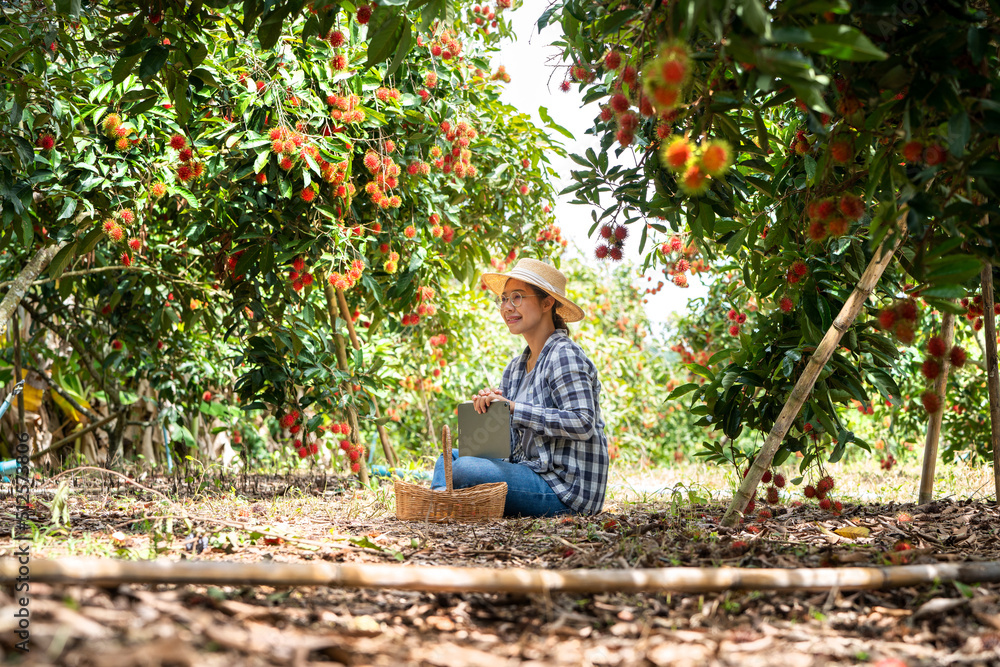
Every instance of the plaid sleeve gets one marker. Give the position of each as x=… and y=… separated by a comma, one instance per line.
x=570, y=385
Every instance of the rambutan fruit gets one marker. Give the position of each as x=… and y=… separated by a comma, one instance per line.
x=908, y=310
x=887, y=318
x=46, y=141
x=621, y=232
x=695, y=181
x=904, y=332
x=613, y=60
x=779, y=480
x=930, y=368
x=913, y=151
x=785, y=304
x=184, y=173
x=957, y=357
x=410, y=231
x=157, y=190
x=799, y=268
x=851, y=206
x=616, y=253
x=734, y=330
x=825, y=504
x=363, y=14
x=936, y=346
x=931, y=402
x=110, y=123
x=817, y=231
x=601, y=251
x=619, y=103
x=809, y=491
x=935, y=154
x=123, y=144
x=837, y=226
x=716, y=157
x=840, y=151
x=178, y=142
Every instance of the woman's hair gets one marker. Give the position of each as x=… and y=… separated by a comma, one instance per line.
x=557, y=319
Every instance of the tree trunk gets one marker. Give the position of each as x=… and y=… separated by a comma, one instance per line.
x=992, y=379
x=807, y=380
x=342, y=363
x=934, y=427
x=383, y=436
x=24, y=279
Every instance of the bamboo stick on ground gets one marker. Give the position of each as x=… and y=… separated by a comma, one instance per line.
x=992, y=378
x=383, y=436
x=110, y=572
x=800, y=392
x=926, y=493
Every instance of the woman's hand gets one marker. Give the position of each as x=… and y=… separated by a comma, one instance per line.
x=482, y=400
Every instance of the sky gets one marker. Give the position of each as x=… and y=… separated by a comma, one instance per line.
x=534, y=83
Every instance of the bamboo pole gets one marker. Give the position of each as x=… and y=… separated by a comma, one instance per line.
x=992, y=378
x=352, y=415
x=883, y=256
x=926, y=493
x=111, y=573
x=383, y=435
x=76, y=434
x=18, y=373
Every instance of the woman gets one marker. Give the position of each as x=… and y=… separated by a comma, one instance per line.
x=559, y=455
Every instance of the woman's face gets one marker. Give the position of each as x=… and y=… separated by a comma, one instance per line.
x=530, y=313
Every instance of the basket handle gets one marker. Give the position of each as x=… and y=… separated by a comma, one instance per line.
x=446, y=445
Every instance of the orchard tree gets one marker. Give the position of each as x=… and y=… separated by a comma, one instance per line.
x=797, y=144
x=180, y=179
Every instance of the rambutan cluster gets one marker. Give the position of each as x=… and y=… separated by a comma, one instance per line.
x=355, y=450
x=345, y=109
x=231, y=263
x=933, y=365
x=974, y=311
x=458, y=159
x=916, y=152
x=482, y=15
x=188, y=168
x=614, y=236
x=679, y=260
x=445, y=45
x=695, y=166
x=689, y=356
x=664, y=78
x=114, y=128
x=115, y=228
x=735, y=320
x=900, y=319
x=796, y=272
x=551, y=233
x=500, y=75
x=298, y=276
x=800, y=144
x=385, y=176
x=392, y=263
x=888, y=462
x=290, y=421
x=821, y=491
x=348, y=279
x=831, y=217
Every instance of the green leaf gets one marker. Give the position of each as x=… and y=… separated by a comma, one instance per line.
x=953, y=269
x=756, y=17
x=681, y=390
x=698, y=369
x=842, y=42
x=153, y=61
x=406, y=38
x=543, y=113
x=62, y=259
x=123, y=67
x=958, y=133
x=382, y=43
x=270, y=26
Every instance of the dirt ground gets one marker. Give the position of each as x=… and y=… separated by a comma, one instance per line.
x=330, y=519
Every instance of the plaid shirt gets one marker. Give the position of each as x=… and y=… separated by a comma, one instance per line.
x=563, y=413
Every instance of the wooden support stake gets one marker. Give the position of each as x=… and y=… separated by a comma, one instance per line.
x=18, y=373
x=992, y=378
x=883, y=256
x=926, y=493
x=110, y=573
x=352, y=415
x=383, y=436
x=76, y=434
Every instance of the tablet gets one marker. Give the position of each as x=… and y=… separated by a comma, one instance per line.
x=486, y=435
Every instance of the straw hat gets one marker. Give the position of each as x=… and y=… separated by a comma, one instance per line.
x=542, y=275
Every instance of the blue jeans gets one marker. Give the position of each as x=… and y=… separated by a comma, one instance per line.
x=528, y=494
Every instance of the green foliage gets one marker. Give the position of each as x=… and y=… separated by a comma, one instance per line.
x=849, y=125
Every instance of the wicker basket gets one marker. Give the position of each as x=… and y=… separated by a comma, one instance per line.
x=476, y=503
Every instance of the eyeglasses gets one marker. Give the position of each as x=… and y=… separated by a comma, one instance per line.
x=514, y=299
